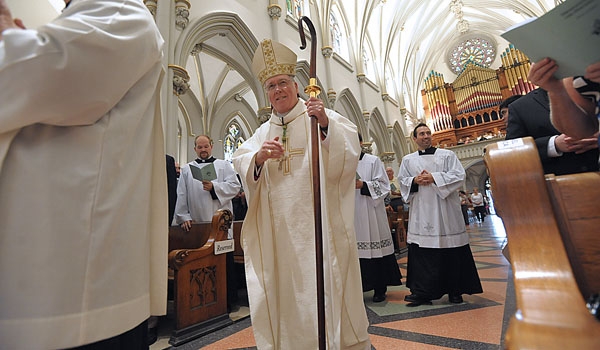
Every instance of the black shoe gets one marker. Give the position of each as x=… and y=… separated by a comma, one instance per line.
x=416, y=300
x=378, y=298
x=419, y=303
x=455, y=299
x=412, y=297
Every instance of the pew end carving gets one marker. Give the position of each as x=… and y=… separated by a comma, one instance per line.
x=199, y=278
x=552, y=229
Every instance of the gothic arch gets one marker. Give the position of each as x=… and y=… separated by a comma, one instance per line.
x=240, y=119
x=349, y=108
x=379, y=132
x=224, y=36
x=399, y=142
x=303, y=77
x=223, y=24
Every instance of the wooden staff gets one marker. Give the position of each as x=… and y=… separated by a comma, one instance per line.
x=313, y=90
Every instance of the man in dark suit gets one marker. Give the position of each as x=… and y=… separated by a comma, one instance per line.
x=560, y=154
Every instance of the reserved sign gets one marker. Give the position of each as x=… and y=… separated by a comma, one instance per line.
x=224, y=246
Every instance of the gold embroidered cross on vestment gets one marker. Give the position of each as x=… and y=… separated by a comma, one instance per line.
x=285, y=160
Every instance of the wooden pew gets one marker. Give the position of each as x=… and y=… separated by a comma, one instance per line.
x=397, y=227
x=199, y=278
x=552, y=224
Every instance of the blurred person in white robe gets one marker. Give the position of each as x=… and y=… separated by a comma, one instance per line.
x=83, y=203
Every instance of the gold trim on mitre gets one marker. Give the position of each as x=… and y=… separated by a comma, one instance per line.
x=272, y=58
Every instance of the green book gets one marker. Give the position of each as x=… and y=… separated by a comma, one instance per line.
x=392, y=187
x=357, y=176
x=205, y=173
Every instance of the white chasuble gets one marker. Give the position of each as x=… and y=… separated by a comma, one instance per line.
x=435, y=217
x=372, y=228
x=278, y=236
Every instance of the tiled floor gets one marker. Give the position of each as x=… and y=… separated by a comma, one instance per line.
x=478, y=323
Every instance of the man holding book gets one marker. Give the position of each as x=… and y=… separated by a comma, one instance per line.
x=206, y=185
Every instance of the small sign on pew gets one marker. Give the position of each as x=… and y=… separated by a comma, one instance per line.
x=510, y=143
x=224, y=246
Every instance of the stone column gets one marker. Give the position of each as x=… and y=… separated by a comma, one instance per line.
x=274, y=11
x=327, y=52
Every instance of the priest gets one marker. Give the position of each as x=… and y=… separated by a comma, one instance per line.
x=439, y=256
x=378, y=265
x=278, y=234
x=198, y=199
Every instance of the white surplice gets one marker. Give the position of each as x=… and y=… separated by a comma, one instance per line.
x=278, y=237
x=83, y=195
x=196, y=204
x=370, y=220
x=435, y=217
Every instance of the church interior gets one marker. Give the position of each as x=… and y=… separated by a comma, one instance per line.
x=386, y=65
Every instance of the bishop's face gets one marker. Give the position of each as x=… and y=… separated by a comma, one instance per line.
x=423, y=138
x=283, y=93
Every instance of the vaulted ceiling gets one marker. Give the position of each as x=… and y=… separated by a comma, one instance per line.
x=407, y=38
x=414, y=37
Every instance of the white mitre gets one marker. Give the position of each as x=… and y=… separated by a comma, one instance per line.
x=271, y=59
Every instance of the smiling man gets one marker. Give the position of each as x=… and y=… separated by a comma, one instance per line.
x=278, y=233
x=439, y=257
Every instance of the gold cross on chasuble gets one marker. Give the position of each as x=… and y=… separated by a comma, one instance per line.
x=285, y=161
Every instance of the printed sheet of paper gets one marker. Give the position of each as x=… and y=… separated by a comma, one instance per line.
x=569, y=34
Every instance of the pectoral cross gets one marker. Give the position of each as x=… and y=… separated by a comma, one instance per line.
x=285, y=161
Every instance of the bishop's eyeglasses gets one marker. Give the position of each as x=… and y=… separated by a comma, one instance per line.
x=282, y=84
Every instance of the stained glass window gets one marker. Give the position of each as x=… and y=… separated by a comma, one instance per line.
x=338, y=37
x=232, y=140
x=297, y=8
x=477, y=50
x=369, y=65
